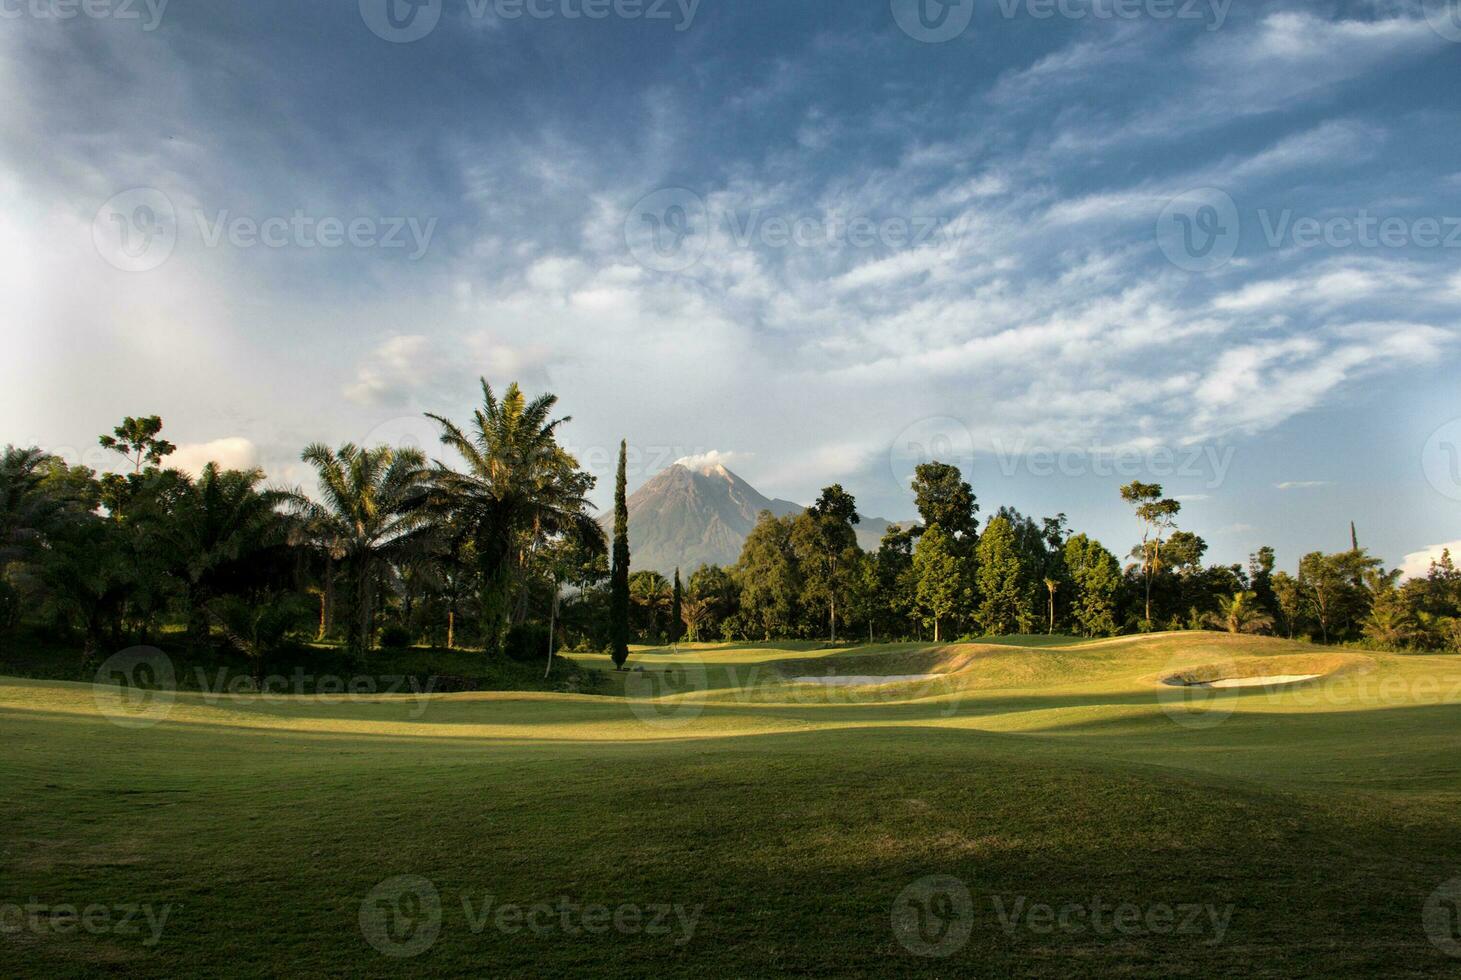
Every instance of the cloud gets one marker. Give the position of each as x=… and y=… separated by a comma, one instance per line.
x=230, y=453
x=1301, y=484
x=1417, y=564
x=710, y=459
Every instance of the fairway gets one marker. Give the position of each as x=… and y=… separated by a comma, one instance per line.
x=715, y=819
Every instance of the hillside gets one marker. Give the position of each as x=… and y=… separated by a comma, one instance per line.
x=687, y=517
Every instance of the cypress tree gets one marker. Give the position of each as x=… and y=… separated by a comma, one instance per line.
x=619, y=575
x=676, y=605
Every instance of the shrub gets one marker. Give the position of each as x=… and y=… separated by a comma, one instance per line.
x=527, y=641
x=394, y=636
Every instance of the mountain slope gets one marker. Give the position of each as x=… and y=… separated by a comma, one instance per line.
x=687, y=517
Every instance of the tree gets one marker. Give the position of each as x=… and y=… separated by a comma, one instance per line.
x=138, y=442
x=1239, y=613
x=896, y=591
x=1096, y=579
x=1157, y=515
x=1005, y=588
x=1288, y=596
x=367, y=515
x=520, y=489
x=1051, y=585
x=769, y=575
x=941, y=587
x=677, y=610
x=826, y=548
x=619, y=568
x=1390, y=623
x=944, y=499
x=650, y=591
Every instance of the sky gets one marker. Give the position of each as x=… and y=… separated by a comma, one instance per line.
x=1062, y=243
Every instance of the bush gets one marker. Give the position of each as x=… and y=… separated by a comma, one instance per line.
x=394, y=636
x=527, y=641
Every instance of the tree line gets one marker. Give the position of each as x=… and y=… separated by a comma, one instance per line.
x=947, y=577
x=498, y=549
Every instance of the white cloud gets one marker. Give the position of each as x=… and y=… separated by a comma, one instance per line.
x=1300, y=484
x=1417, y=564
x=231, y=453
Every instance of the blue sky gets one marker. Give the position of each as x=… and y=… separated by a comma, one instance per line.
x=1069, y=245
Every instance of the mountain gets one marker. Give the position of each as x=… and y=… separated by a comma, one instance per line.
x=692, y=516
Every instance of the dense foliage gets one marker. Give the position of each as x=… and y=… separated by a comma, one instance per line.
x=497, y=549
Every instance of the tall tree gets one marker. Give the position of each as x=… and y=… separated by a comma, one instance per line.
x=677, y=609
x=941, y=585
x=139, y=442
x=943, y=498
x=1005, y=585
x=826, y=548
x=1239, y=613
x=769, y=576
x=619, y=568
x=367, y=515
x=520, y=490
x=1157, y=515
x=1095, y=577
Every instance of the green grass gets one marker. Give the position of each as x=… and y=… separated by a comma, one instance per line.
x=1055, y=773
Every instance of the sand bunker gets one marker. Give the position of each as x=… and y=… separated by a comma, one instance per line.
x=851, y=680
x=1267, y=681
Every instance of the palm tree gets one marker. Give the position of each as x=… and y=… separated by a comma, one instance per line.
x=519, y=490
x=368, y=515
x=1240, y=614
x=1051, y=585
x=213, y=531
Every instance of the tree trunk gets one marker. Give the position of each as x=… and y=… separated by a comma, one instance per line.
x=832, y=618
x=935, y=629
x=552, y=622
x=451, y=628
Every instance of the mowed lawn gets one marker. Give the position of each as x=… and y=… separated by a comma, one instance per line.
x=720, y=820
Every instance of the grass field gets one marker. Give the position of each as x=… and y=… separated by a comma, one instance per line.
x=1035, y=808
